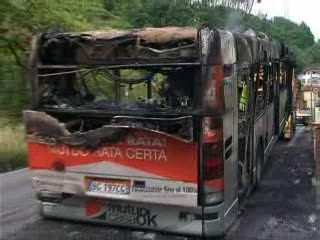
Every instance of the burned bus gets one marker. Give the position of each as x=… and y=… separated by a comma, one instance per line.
x=159, y=128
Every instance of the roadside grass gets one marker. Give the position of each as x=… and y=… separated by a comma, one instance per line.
x=12, y=145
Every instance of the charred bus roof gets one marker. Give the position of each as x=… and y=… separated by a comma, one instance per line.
x=170, y=44
x=156, y=45
x=158, y=69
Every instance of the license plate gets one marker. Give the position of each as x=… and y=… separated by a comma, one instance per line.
x=113, y=186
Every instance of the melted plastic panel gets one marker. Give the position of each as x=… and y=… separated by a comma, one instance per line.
x=93, y=132
x=228, y=50
x=244, y=53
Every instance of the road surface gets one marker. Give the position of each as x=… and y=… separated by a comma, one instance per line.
x=284, y=207
x=17, y=205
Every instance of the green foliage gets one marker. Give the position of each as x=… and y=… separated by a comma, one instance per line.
x=12, y=144
x=20, y=19
x=298, y=37
x=143, y=13
x=314, y=53
x=292, y=33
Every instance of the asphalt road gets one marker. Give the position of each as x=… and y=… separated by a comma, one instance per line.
x=17, y=205
x=284, y=207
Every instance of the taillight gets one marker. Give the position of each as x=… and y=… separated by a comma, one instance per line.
x=213, y=98
x=213, y=161
x=213, y=169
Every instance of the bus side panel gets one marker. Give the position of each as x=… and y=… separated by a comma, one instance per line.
x=230, y=131
x=283, y=99
x=270, y=122
x=271, y=132
x=260, y=127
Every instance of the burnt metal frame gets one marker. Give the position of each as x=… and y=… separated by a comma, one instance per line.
x=88, y=70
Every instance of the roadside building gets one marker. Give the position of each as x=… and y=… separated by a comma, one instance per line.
x=309, y=75
x=311, y=95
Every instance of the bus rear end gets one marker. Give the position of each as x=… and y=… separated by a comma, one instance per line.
x=130, y=143
x=131, y=177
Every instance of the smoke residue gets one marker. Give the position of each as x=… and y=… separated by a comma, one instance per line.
x=234, y=20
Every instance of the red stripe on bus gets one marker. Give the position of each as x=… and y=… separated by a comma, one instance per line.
x=179, y=162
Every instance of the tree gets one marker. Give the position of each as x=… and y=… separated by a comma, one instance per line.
x=109, y=4
x=308, y=37
x=314, y=53
x=19, y=22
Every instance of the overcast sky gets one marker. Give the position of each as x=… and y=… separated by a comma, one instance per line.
x=296, y=10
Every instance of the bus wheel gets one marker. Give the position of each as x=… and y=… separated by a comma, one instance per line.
x=257, y=177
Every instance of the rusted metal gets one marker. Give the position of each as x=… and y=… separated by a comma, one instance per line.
x=109, y=47
x=151, y=35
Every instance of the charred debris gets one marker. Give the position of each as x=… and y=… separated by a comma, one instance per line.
x=89, y=80
x=146, y=78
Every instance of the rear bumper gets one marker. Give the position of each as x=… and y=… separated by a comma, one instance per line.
x=62, y=195
x=74, y=183
x=146, y=216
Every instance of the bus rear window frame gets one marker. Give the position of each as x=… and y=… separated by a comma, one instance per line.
x=71, y=69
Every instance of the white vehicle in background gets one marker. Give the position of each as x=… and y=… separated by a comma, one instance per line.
x=303, y=116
